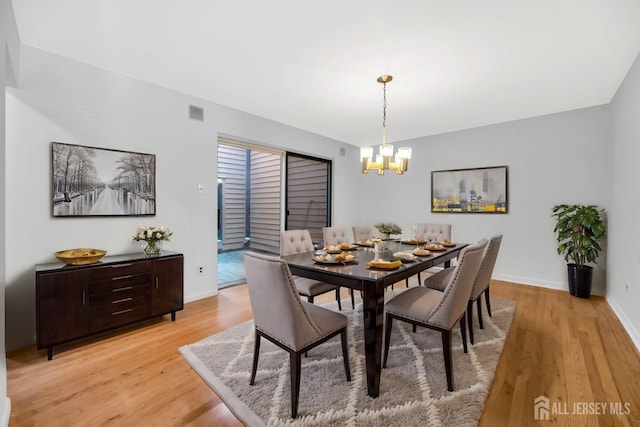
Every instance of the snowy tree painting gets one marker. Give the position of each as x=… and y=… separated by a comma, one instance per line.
x=90, y=181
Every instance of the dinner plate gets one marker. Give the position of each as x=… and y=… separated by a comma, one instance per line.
x=333, y=252
x=448, y=245
x=371, y=267
x=405, y=261
x=423, y=255
x=366, y=245
x=413, y=242
x=334, y=262
x=437, y=250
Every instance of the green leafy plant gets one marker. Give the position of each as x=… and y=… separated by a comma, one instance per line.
x=388, y=228
x=579, y=229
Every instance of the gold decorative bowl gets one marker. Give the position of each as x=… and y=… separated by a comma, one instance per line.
x=81, y=256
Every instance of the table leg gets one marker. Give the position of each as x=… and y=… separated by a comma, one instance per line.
x=373, y=304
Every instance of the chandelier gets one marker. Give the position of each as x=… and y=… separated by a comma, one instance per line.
x=383, y=158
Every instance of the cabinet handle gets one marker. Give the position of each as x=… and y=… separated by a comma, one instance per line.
x=126, y=288
x=122, y=311
x=122, y=265
x=84, y=298
x=156, y=283
x=121, y=300
x=128, y=276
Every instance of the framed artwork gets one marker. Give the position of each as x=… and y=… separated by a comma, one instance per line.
x=477, y=190
x=90, y=181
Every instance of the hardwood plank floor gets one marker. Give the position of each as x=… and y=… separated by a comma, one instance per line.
x=571, y=350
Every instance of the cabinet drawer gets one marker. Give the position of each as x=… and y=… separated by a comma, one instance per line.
x=119, y=283
x=120, y=295
x=106, y=316
x=119, y=270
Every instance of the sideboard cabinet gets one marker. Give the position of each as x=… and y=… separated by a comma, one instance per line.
x=74, y=302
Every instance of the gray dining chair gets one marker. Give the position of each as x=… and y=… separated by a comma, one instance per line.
x=434, y=233
x=299, y=241
x=421, y=306
x=362, y=232
x=480, y=286
x=283, y=318
x=334, y=236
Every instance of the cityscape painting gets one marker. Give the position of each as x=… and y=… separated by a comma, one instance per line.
x=478, y=190
x=89, y=181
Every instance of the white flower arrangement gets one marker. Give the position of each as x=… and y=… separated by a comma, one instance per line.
x=152, y=234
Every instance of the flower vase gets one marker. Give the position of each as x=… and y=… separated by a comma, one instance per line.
x=152, y=248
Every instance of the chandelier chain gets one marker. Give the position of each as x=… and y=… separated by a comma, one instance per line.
x=384, y=105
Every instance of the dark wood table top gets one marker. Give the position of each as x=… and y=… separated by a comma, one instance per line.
x=354, y=274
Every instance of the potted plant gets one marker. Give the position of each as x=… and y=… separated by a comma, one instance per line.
x=387, y=229
x=579, y=229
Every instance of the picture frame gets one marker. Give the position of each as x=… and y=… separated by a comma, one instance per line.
x=92, y=181
x=474, y=190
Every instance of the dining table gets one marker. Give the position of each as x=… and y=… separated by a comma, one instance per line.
x=371, y=282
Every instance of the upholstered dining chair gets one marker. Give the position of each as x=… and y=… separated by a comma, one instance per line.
x=334, y=235
x=298, y=241
x=290, y=323
x=434, y=233
x=362, y=232
x=421, y=306
x=481, y=285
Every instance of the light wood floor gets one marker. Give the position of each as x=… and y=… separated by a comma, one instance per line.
x=568, y=349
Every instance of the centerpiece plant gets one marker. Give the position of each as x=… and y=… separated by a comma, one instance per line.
x=579, y=230
x=152, y=238
x=388, y=228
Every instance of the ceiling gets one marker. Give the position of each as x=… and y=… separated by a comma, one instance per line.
x=313, y=65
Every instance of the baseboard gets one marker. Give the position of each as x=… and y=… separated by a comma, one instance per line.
x=6, y=412
x=628, y=326
x=200, y=295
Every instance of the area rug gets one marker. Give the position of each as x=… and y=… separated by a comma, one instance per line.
x=413, y=388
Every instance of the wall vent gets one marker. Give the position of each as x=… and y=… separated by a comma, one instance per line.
x=342, y=151
x=196, y=113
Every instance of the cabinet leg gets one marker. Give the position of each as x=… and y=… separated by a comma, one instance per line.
x=50, y=353
x=173, y=316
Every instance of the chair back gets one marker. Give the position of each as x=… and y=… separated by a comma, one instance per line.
x=277, y=309
x=456, y=295
x=334, y=235
x=434, y=232
x=483, y=279
x=362, y=232
x=295, y=242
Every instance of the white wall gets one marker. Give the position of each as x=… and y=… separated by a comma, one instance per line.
x=67, y=101
x=9, y=73
x=559, y=158
x=624, y=256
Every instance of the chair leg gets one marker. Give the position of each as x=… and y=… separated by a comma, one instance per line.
x=294, y=365
x=470, y=319
x=353, y=302
x=446, y=350
x=345, y=353
x=338, y=298
x=256, y=353
x=463, y=331
x=415, y=328
x=406, y=281
x=387, y=339
x=488, y=301
x=419, y=280
x=479, y=304
x=310, y=299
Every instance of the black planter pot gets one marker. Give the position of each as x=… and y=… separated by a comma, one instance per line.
x=580, y=280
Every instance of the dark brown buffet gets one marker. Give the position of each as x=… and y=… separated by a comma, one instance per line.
x=74, y=302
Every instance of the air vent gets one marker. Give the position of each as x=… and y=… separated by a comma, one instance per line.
x=196, y=113
x=342, y=151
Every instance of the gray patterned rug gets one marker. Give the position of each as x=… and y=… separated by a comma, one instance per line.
x=412, y=388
